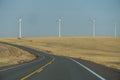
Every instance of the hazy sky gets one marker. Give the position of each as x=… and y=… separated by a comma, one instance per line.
x=39, y=17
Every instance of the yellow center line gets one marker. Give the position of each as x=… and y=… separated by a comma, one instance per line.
x=38, y=70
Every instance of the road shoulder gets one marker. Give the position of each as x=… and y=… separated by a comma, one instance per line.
x=106, y=72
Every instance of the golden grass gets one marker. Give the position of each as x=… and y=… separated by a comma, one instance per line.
x=10, y=55
x=102, y=50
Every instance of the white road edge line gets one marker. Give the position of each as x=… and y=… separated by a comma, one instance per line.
x=9, y=68
x=89, y=69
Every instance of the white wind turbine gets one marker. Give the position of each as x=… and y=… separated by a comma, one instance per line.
x=20, y=25
x=93, y=20
x=59, y=25
x=115, y=30
x=94, y=27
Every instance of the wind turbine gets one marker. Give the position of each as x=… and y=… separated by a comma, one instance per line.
x=20, y=24
x=115, y=30
x=94, y=27
x=93, y=20
x=59, y=25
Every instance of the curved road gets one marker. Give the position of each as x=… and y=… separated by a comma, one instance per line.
x=48, y=67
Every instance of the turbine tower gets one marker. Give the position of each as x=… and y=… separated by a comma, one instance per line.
x=59, y=24
x=115, y=30
x=94, y=27
x=20, y=23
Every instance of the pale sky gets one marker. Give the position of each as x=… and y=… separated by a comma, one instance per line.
x=39, y=17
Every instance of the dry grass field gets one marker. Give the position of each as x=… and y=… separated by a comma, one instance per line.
x=102, y=50
x=10, y=55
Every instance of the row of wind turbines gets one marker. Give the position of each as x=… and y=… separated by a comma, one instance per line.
x=20, y=27
x=59, y=27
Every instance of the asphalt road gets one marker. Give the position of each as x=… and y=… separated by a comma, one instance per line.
x=48, y=67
